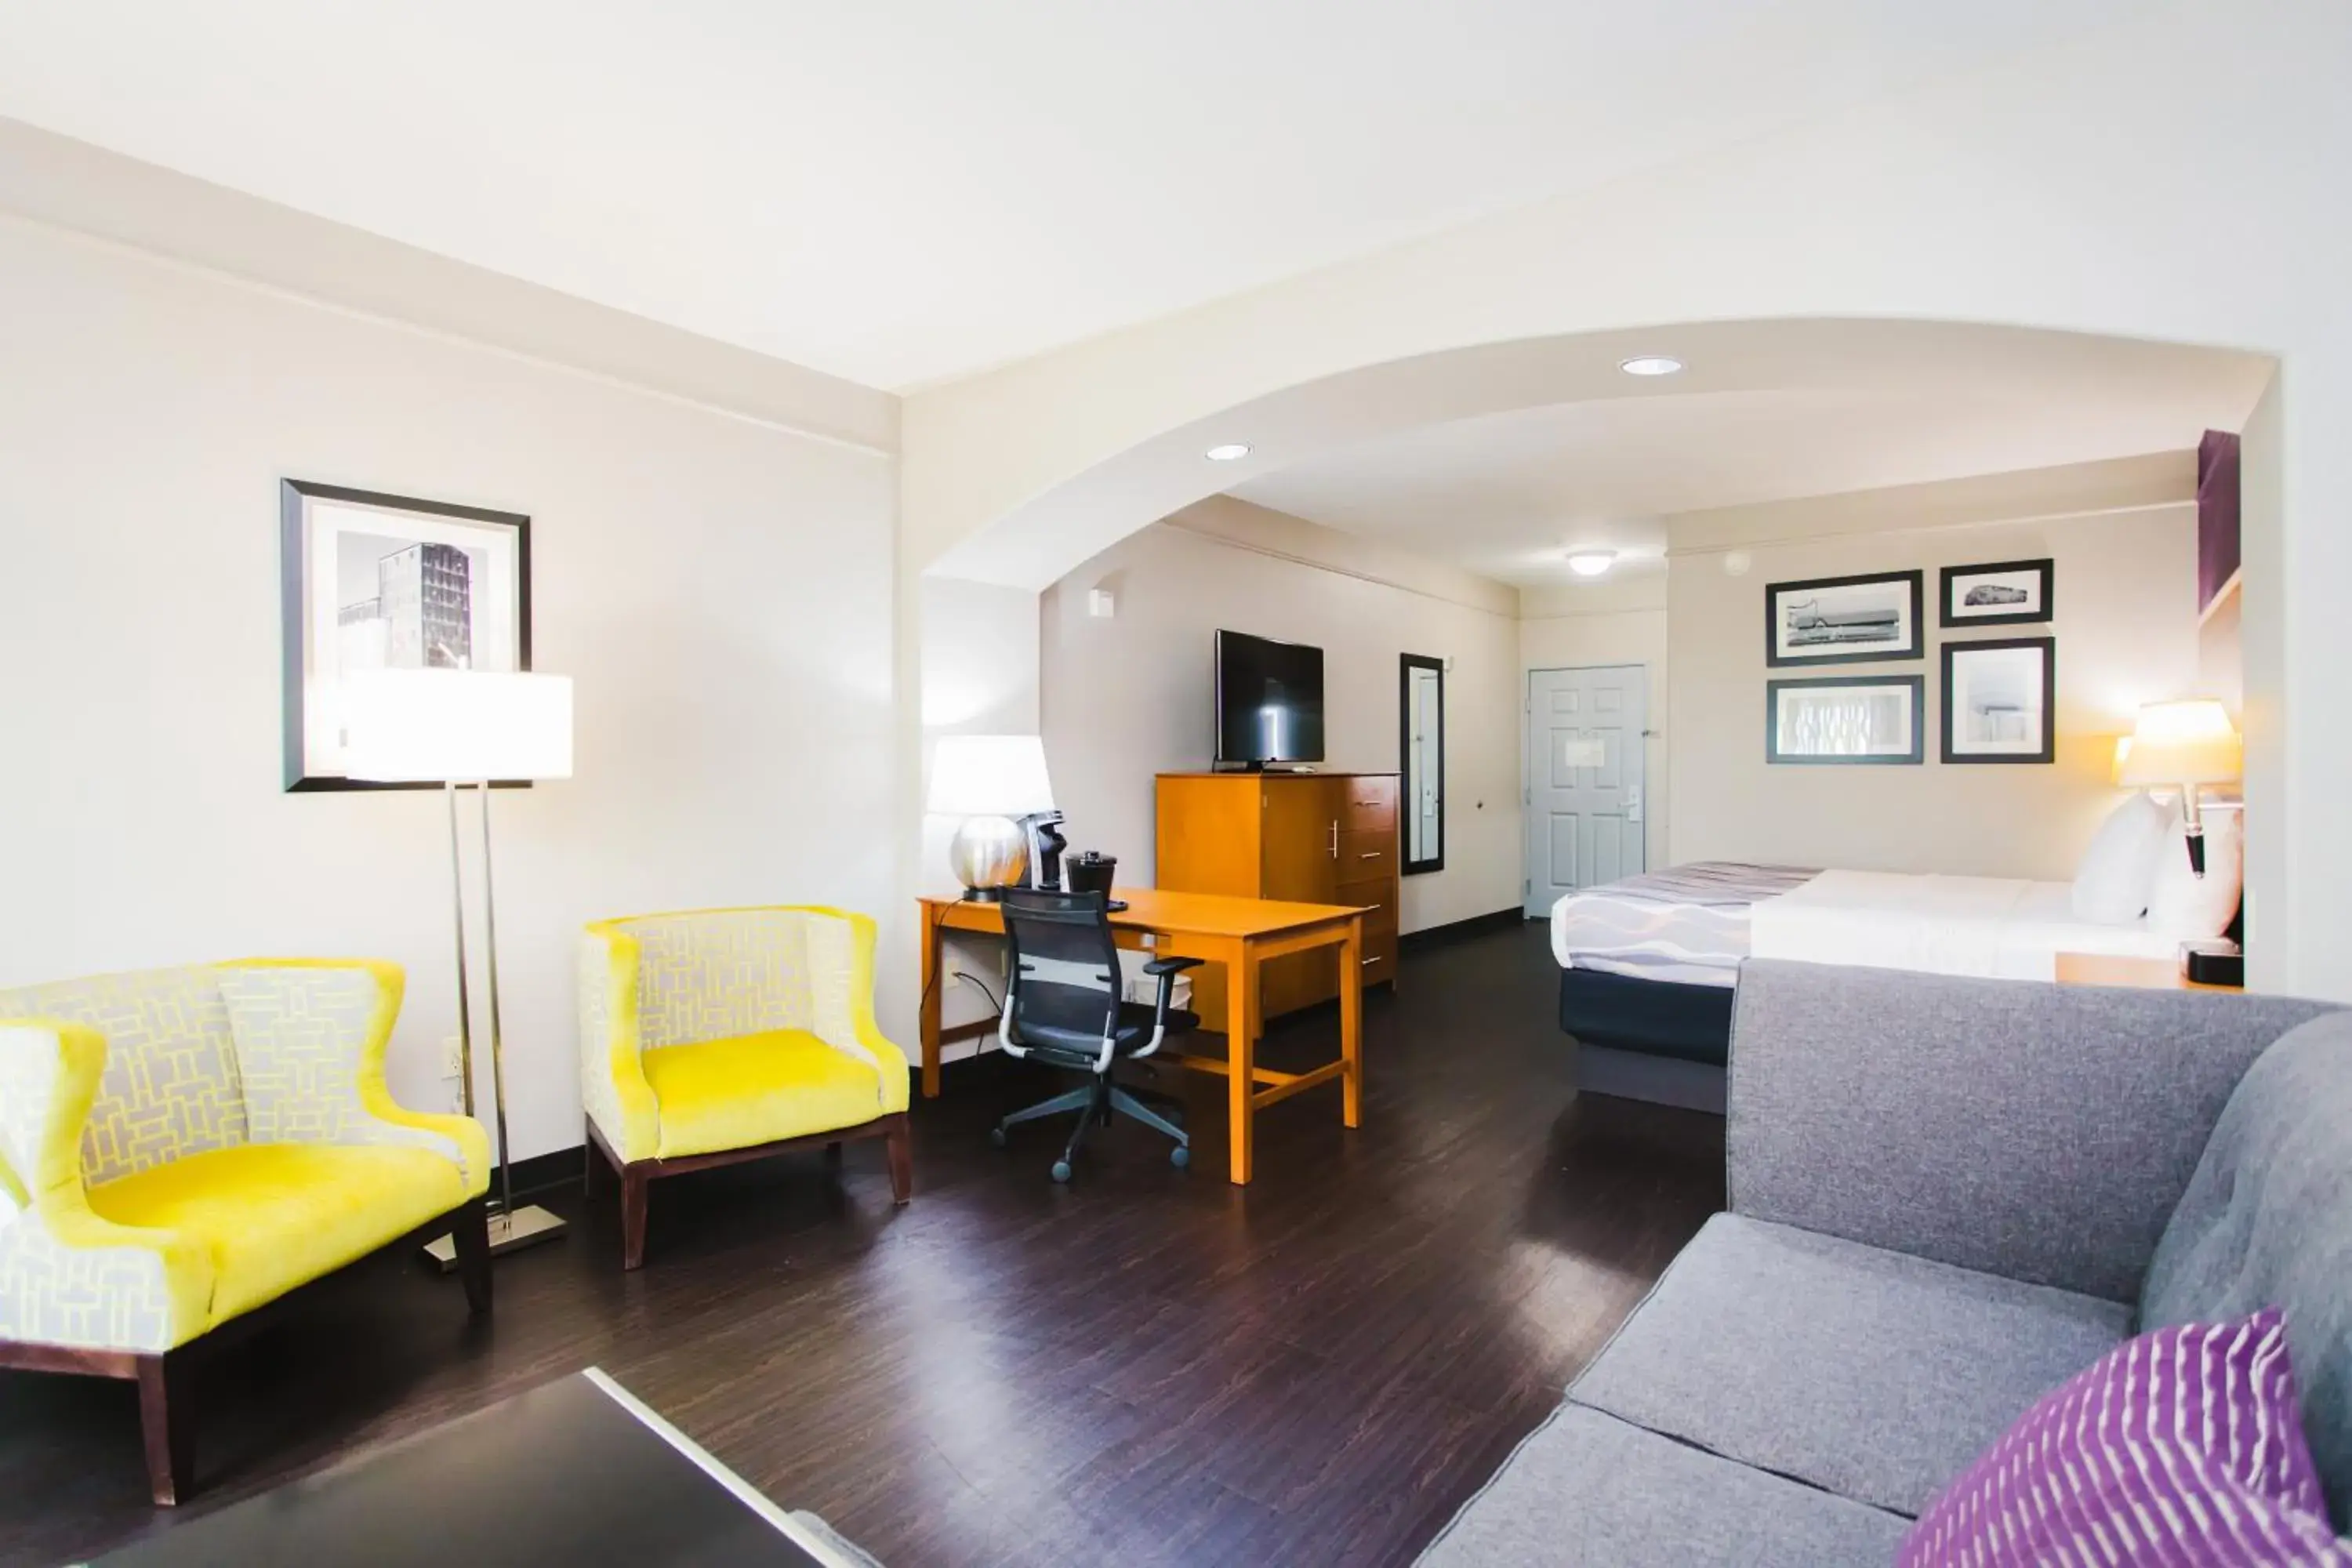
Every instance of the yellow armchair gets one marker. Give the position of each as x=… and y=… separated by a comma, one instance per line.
x=179, y=1147
x=709, y=1036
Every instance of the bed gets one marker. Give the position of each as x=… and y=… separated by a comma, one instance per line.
x=1648, y=965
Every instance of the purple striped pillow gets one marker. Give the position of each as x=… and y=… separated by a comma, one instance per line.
x=2179, y=1446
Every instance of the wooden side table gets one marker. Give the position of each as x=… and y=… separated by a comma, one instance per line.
x=2139, y=974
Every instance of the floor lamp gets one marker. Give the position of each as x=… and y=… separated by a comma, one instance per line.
x=456, y=728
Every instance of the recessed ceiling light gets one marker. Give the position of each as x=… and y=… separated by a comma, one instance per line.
x=1231, y=452
x=1650, y=365
x=1591, y=563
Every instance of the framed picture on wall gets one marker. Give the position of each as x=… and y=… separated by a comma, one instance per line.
x=1845, y=719
x=1844, y=620
x=2001, y=594
x=383, y=582
x=2000, y=700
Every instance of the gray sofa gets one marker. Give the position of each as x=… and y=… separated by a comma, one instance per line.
x=1946, y=1197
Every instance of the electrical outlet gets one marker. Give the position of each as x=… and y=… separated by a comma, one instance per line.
x=453, y=1058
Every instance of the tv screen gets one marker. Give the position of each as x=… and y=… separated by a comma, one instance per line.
x=1269, y=701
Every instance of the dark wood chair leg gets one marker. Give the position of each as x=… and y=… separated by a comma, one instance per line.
x=833, y=1155
x=167, y=1421
x=902, y=1159
x=634, y=1182
x=592, y=1170
x=472, y=1235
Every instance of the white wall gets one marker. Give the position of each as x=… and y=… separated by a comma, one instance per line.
x=1131, y=696
x=720, y=588
x=2125, y=593
x=1612, y=622
x=979, y=662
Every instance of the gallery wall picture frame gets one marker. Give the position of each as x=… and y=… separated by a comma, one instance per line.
x=1871, y=619
x=2000, y=700
x=369, y=579
x=1997, y=593
x=1846, y=720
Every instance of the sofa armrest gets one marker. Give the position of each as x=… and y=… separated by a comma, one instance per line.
x=310, y=1040
x=2039, y=1131
x=67, y=1276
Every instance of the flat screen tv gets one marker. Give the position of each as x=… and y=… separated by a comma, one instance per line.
x=1269, y=701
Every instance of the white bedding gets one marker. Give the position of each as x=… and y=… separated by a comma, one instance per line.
x=1986, y=926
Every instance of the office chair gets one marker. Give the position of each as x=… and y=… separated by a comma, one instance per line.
x=1064, y=1005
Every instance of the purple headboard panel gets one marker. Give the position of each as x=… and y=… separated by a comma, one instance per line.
x=2217, y=513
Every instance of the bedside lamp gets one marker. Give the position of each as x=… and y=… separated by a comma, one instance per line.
x=453, y=727
x=988, y=780
x=2185, y=743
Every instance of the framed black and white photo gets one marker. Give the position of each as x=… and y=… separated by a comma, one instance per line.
x=382, y=582
x=2000, y=593
x=1845, y=719
x=2000, y=700
x=1844, y=620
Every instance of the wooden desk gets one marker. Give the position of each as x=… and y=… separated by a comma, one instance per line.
x=2140, y=973
x=1241, y=934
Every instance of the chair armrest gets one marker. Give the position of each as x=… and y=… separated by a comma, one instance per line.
x=1164, y=967
x=841, y=958
x=310, y=1040
x=2039, y=1131
x=67, y=1276
x=613, y=1088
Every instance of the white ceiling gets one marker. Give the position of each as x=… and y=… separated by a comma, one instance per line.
x=1507, y=495
x=901, y=191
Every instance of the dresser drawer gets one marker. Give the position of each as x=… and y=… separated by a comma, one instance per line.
x=1372, y=805
x=1365, y=856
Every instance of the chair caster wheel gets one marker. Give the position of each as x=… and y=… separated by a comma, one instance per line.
x=996, y=1137
x=1180, y=1156
x=1061, y=1170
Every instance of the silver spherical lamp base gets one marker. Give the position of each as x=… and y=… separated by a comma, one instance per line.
x=988, y=855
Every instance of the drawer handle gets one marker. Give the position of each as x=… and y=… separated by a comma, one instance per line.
x=1370, y=855
x=1368, y=963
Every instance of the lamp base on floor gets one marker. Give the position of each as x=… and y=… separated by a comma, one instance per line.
x=527, y=1226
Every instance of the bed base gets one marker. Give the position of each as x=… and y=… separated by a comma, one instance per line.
x=1655, y=1040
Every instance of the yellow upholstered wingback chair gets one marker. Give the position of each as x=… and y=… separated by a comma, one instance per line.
x=180, y=1146
x=713, y=1036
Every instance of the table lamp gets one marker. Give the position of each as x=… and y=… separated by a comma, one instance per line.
x=454, y=727
x=988, y=780
x=2188, y=743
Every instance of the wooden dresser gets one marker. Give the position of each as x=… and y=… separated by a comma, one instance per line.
x=1324, y=839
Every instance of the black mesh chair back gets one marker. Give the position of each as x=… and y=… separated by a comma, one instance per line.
x=1065, y=986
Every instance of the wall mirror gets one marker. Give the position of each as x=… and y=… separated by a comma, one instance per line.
x=1421, y=746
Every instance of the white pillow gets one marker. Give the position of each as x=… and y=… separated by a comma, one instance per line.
x=2191, y=908
x=2112, y=885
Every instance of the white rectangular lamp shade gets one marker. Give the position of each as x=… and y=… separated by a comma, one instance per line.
x=990, y=775
x=2190, y=742
x=409, y=726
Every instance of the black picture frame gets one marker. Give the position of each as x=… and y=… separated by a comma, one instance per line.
x=295, y=575
x=1406, y=663
x=1915, y=685
x=2047, y=748
x=1949, y=582
x=1915, y=646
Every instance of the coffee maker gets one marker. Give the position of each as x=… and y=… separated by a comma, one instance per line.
x=1042, y=828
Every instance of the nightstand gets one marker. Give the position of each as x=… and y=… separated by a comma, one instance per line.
x=2140, y=973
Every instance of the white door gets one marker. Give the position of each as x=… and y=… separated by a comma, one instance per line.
x=1585, y=757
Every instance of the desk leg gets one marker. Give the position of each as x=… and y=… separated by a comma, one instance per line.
x=1351, y=1024
x=1241, y=1053
x=932, y=1000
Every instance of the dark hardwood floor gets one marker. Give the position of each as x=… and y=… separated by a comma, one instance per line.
x=1148, y=1366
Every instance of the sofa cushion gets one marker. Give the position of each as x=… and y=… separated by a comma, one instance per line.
x=1587, y=1488
x=276, y=1215
x=756, y=1088
x=1876, y=1375
x=2267, y=1221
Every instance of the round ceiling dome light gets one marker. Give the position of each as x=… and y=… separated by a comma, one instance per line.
x=1650, y=365
x=1591, y=563
x=1231, y=452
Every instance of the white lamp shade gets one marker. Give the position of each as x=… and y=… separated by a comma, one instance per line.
x=990, y=775
x=407, y=726
x=2190, y=742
